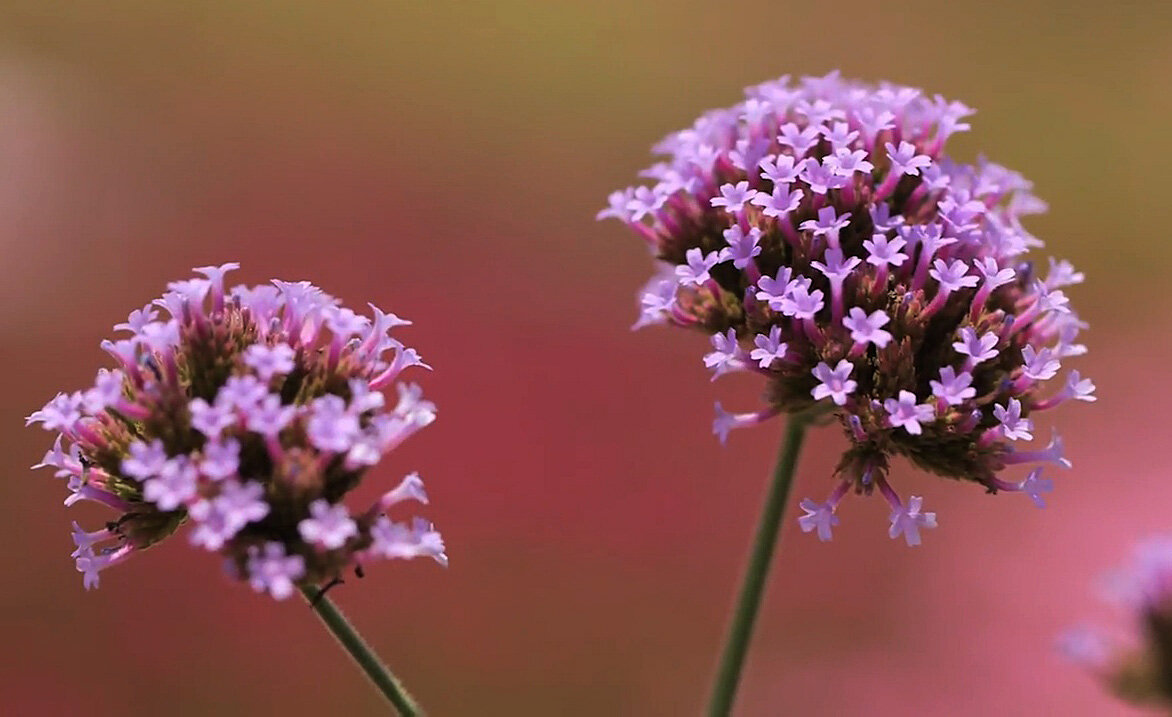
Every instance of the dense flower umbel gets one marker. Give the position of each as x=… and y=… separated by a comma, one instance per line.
x=250, y=414
x=821, y=237
x=1138, y=671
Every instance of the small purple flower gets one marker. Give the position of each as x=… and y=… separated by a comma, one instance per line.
x=931, y=239
x=774, y=290
x=656, y=301
x=734, y=197
x=952, y=277
x=412, y=407
x=905, y=160
x=1013, y=426
x=799, y=141
x=1040, y=365
x=851, y=162
x=724, y=422
x=872, y=122
x=363, y=398
x=617, y=206
x=822, y=177
x=159, y=336
x=840, y=136
x=331, y=427
x=834, y=383
x=85, y=541
x=835, y=266
x=801, y=303
x=819, y=517
x=828, y=225
x=396, y=540
x=329, y=526
x=269, y=361
x=780, y=203
x=242, y=503
x=241, y=392
x=819, y=112
x=213, y=529
x=755, y=112
x=909, y=521
x=188, y=293
x=695, y=272
x=1079, y=388
x=221, y=459
x=221, y=518
x=1054, y=452
x=883, y=219
x=410, y=488
x=742, y=247
x=770, y=348
x=344, y=323
x=1062, y=273
x=145, y=460
x=726, y=355
x=55, y=457
x=211, y=419
x=643, y=202
x=215, y=281
x=90, y=564
x=867, y=329
x=995, y=276
x=137, y=320
x=885, y=252
x=273, y=571
x=953, y=388
x=269, y=417
x=1067, y=327
x=61, y=414
x=106, y=393
x=173, y=486
x=1035, y=485
x=978, y=349
x=905, y=413
x=781, y=170
x=748, y=153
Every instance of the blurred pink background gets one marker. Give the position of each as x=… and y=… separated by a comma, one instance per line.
x=445, y=161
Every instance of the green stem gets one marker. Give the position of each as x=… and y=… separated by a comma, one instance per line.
x=741, y=630
x=353, y=643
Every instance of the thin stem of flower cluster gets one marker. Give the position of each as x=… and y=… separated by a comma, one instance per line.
x=366, y=658
x=749, y=601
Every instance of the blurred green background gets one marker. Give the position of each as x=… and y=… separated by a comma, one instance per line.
x=445, y=160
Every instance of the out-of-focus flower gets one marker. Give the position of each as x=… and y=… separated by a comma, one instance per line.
x=1139, y=670
x=250, y=413
x=820, y=234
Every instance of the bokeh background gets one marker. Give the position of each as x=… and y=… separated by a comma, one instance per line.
x=445, y=160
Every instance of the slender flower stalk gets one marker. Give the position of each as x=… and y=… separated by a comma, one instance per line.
x=367, y=660
x=753, y=588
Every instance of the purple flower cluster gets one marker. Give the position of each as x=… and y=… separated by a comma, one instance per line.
x=250, y=413
x=822, y=238
x=1139, y=671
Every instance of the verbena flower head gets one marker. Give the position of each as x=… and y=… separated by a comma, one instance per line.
x=249, y=414
x=1140, y=669
x=821, y=236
